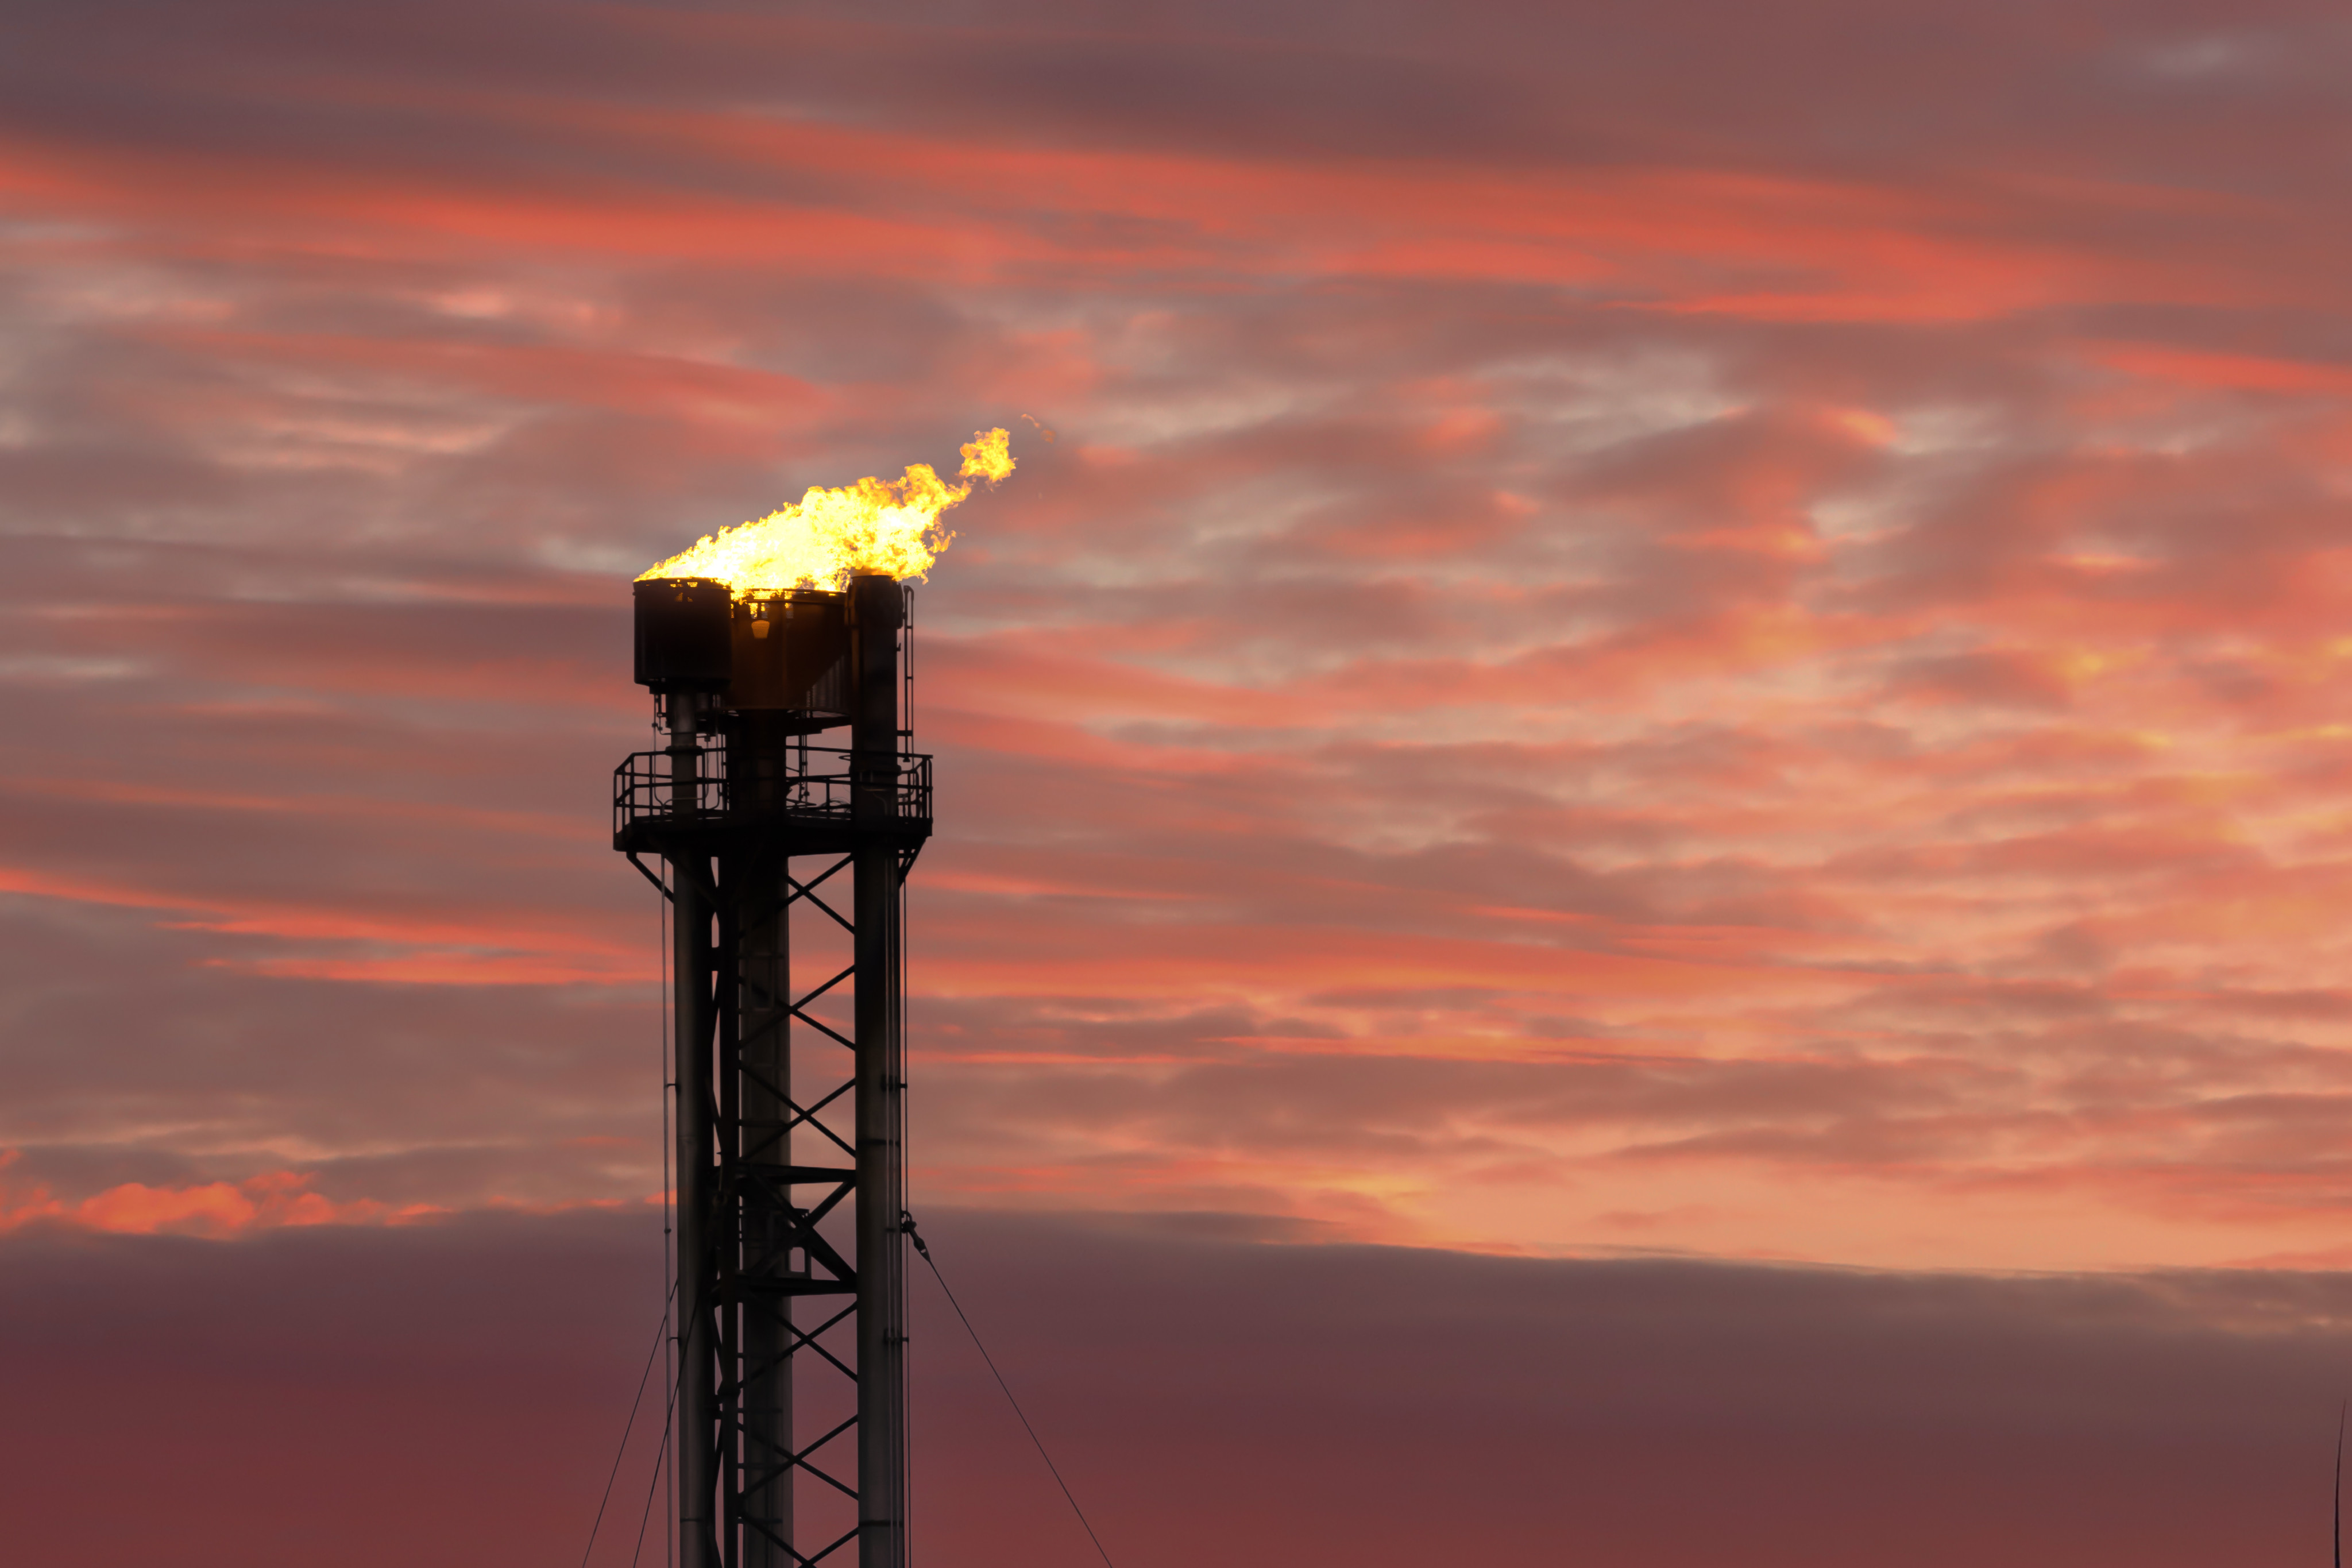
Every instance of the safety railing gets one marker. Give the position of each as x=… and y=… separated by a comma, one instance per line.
x=816, y=783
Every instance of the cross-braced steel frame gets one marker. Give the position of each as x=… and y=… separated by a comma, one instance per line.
x=791, y=1341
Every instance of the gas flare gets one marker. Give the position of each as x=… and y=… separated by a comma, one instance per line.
x=829, y=535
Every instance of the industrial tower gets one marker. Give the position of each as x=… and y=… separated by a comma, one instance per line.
x=790, y=1416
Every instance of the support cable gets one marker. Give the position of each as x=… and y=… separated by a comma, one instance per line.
x=906, y=1224
x=653, y=1487
x=661, y=1332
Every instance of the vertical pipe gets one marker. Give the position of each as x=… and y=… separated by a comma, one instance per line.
x=877, y=609
x=694, y=1461
x=765, y=1150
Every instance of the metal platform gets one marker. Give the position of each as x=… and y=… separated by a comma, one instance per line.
x=813, y=802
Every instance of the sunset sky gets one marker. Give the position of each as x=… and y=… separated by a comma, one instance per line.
x=1647, y=775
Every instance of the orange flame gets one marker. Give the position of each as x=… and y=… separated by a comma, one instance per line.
x=875, y=525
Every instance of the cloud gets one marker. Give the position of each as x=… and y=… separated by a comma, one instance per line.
x=1714, y=626
x=278, y=1199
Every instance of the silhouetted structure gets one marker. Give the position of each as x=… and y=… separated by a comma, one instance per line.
x=791, y=1287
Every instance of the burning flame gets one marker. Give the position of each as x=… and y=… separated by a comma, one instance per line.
x=875, y=525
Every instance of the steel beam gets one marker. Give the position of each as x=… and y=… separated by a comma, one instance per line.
x=695, y=1459
x=876, y=610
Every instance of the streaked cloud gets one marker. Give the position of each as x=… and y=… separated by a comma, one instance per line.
x=1698, y=629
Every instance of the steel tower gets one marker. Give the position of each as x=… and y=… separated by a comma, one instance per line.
x=790, y=1416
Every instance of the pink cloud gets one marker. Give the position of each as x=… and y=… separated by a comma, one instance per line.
x=1589, y=644
x=274, y=1200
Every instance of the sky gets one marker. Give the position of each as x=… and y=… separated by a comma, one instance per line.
x=1662, y=687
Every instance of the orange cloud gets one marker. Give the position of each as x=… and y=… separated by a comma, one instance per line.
x=276, y=1200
